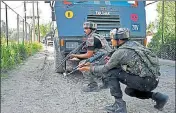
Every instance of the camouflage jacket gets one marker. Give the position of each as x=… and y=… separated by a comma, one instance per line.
x=130, y=60
x=105, y=45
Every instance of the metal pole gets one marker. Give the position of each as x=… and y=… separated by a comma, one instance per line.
x=33, y=17
x=0, y=36
x=23, y=31
x=11, y=9
x=18, y=29
x=0, y=29
x=163, y=23
x=6, y=25
x=175, y=18
x=25, y=20
x=38, y=23
x=27, y=30
x=30, y=34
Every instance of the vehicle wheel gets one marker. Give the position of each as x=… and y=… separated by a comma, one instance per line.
x=58, y=57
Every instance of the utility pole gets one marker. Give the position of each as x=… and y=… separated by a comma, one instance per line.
x=25, y=20
x=7, y=32
x=33, y=17
x=18, y=29
x=38, y=22
x=163, y=22
x=175, y=18
x=0, y=28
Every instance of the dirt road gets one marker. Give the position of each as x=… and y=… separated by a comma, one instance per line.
x=34, y=87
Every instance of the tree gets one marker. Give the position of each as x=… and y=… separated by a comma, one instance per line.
x=44, y=29
x=169, y=29
x=3, y=28
x=151, y=26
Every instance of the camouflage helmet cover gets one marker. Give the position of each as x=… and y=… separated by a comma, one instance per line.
x=120, y=33
x=90, y=25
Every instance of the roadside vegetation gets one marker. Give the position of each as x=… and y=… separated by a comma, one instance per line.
x=14, y=53
x=164, y=47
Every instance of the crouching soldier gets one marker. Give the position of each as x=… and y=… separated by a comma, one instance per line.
x=133, y=65
x=95, y=43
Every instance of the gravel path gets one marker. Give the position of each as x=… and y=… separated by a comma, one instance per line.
x=34, y=88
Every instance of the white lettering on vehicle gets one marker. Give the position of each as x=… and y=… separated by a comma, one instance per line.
x=102, y=13
x=135, y=27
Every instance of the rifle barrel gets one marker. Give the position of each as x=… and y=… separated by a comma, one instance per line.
x=72, y=52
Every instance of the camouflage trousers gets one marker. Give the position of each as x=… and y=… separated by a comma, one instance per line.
x=92, y=77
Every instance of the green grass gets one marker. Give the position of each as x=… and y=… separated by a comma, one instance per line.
x=14, y=53
x=3, y=76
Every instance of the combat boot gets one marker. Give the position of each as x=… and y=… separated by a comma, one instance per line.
x=91, y=87
x=160, y=100
x=119, y=106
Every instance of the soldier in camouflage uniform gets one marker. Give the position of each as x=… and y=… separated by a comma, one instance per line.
x=133, y=65
x=95, y=43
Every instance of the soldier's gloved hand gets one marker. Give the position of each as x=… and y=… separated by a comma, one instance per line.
x=85, y=68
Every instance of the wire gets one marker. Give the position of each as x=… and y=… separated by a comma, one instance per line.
x=15, y=7
x=151, y=3
x=18, y=6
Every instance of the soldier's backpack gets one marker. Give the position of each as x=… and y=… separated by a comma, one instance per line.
x=149, y=59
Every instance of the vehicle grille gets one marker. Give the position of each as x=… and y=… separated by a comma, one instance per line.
x=105, y=23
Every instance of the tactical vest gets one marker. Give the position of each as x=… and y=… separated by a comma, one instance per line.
x=104, y=43
x=150, y=62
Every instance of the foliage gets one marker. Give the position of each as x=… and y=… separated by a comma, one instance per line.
x=151, y=27
x=14, y=53
x=44, y=29
x=167, y=44
x=3, y=27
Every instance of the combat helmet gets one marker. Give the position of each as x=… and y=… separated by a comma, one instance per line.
x=90, y=25
x=120, y=33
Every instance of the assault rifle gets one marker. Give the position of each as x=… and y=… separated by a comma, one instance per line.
x=72, y=52
x=90, y=60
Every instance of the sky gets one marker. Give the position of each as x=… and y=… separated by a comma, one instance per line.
x=18, y=6
x=45, y=12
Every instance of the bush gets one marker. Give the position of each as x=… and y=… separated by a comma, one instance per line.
x=14, y=53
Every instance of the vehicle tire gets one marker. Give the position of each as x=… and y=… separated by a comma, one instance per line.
x=58, y=57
